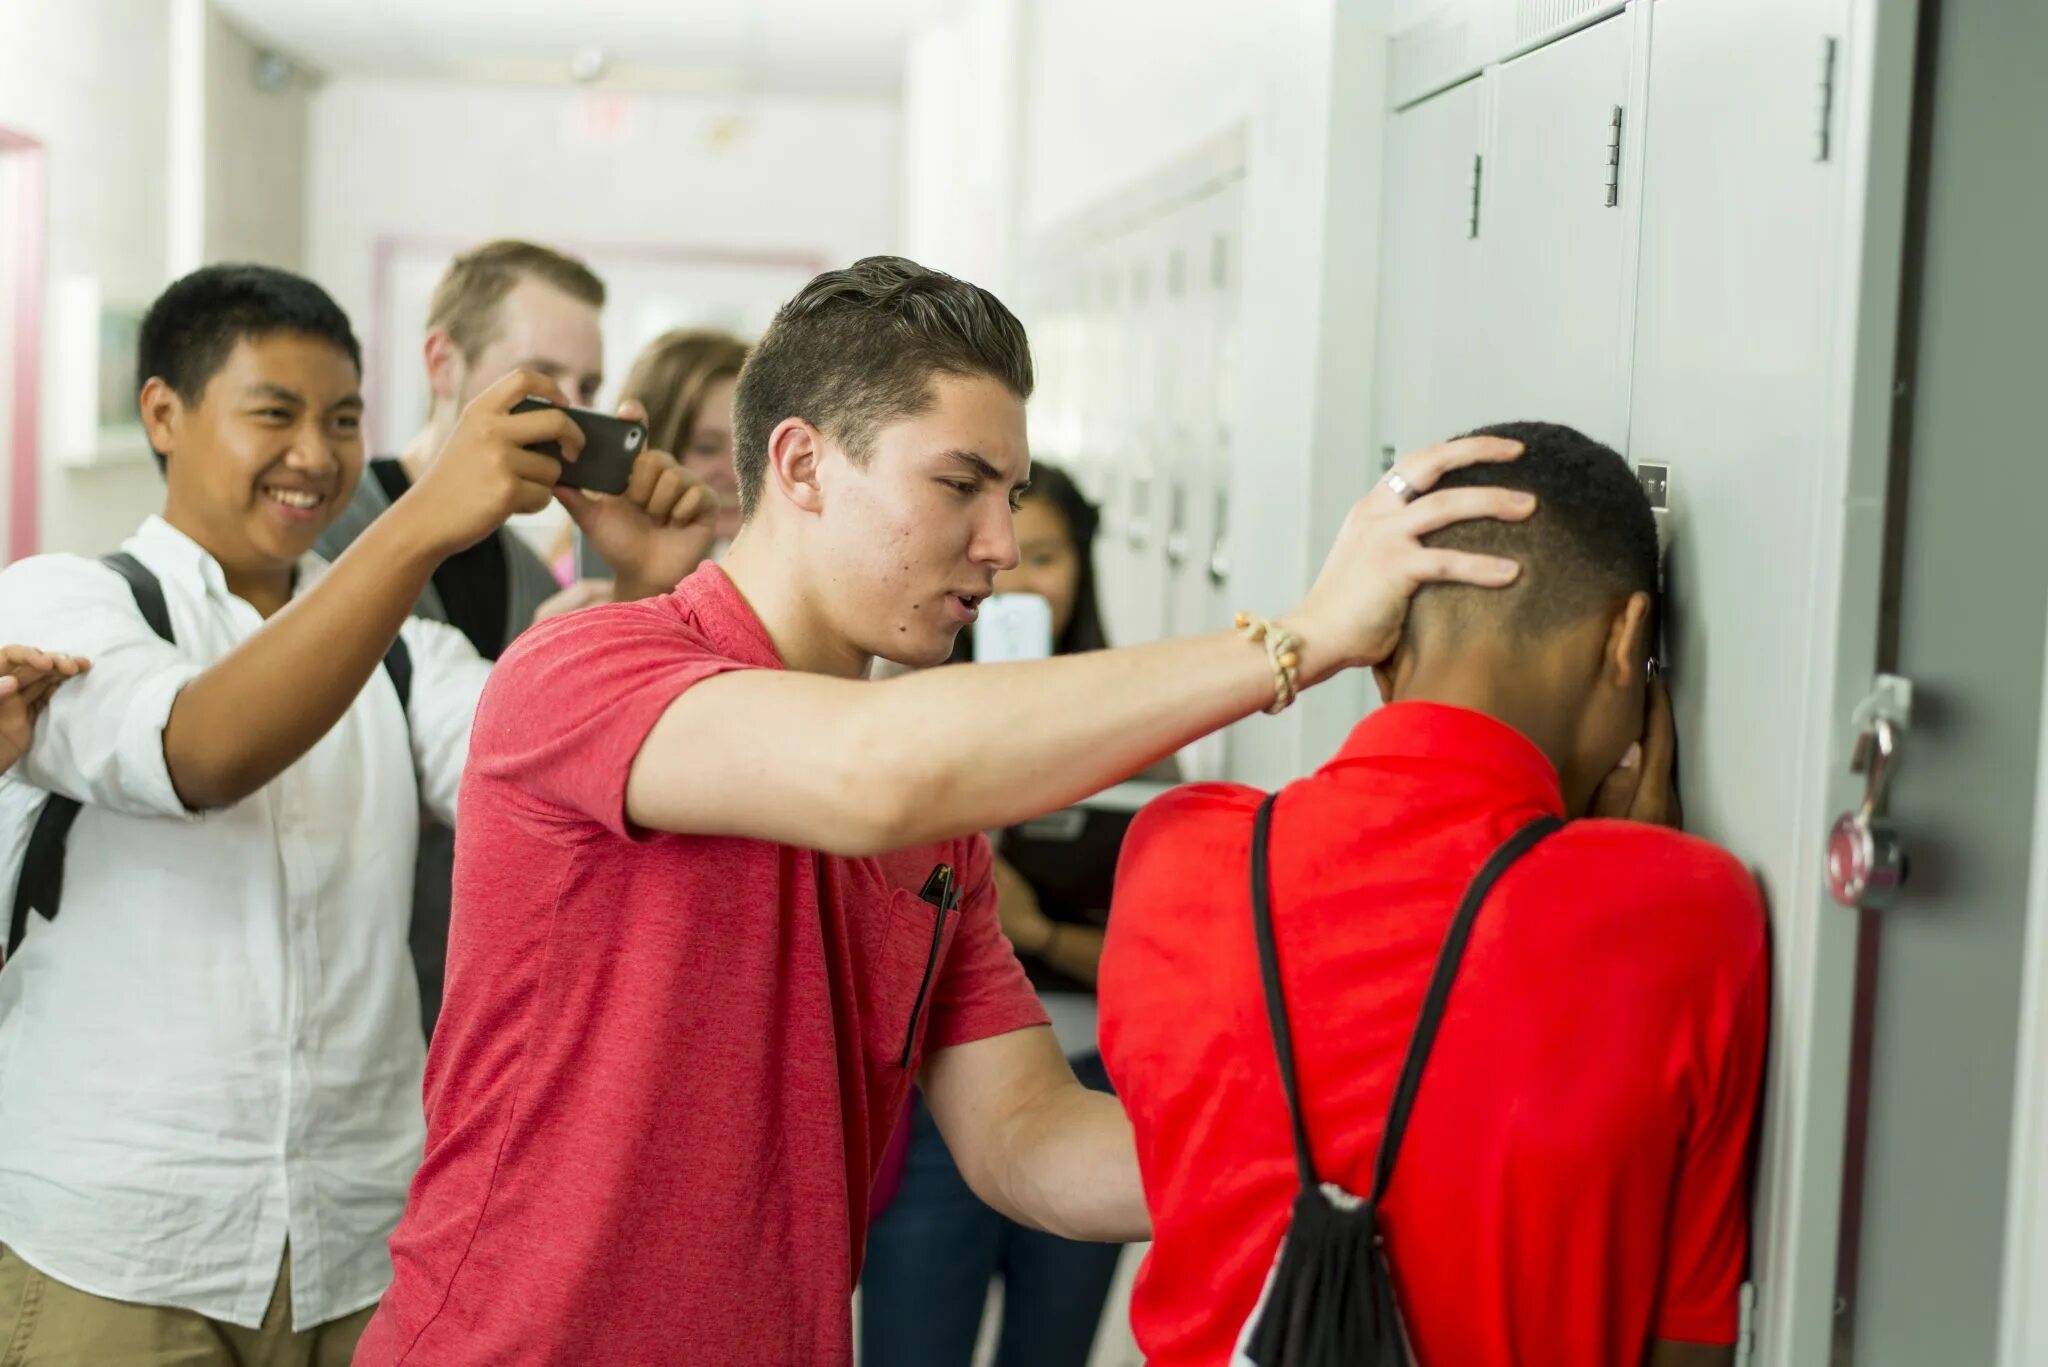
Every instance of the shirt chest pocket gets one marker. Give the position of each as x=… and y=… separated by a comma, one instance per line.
x=906, y=957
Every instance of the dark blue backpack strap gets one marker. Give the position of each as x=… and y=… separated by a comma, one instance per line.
x=41, y=885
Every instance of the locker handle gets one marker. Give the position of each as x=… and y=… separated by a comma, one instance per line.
x=1138, y=526
x=1176, y=530
x=1219, y=549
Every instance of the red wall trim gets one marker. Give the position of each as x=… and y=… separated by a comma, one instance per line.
x=31, y=232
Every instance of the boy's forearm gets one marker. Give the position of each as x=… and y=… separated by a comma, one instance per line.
x=1073, y=1169
x=984, y=748
x=252, y=715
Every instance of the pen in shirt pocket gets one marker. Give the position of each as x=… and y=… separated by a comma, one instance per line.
x=940, y=890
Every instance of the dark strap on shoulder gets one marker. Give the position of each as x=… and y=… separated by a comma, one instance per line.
x=42, y=866
x=1433, y=1001
x=147, y=592
x=1518, y=844
x=1276, y=997
x=398, y=664
x=41, y=884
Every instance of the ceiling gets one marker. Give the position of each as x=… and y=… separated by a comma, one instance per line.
x=820, y=47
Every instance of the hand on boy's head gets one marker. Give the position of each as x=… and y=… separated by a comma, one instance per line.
x=487, y=471
x=1354, y=613
x=1643, y=788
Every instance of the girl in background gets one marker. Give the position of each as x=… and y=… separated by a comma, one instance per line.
x=684, y=379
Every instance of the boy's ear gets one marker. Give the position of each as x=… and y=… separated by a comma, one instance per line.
x=161, y=411
x=1628, y=641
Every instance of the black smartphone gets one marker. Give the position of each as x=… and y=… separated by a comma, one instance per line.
x=610, y=446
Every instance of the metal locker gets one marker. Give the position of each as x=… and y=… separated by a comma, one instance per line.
x=1429, y=267
x=1546, y=336
x=1743, y=349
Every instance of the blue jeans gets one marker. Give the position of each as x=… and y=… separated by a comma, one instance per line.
x=933, y=1252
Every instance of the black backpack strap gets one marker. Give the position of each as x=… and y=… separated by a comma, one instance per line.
x=1433, y=1002
x=1439, y=994
x=147, y=592
x=398, y=664
x=42, y=866
x=1276, y=998
x=41, y=884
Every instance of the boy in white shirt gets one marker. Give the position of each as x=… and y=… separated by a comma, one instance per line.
x=210, y=1062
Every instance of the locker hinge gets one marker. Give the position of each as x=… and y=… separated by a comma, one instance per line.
x=1472, y=223
x=1745, y=1329
x=1830, y=53
x=1614, y=158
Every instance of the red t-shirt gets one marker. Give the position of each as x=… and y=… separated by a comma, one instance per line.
x=667, y=1065
x=1573, y=1180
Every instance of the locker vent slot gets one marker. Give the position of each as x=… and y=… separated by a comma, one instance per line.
x=1429, y=57
x=1538, y=18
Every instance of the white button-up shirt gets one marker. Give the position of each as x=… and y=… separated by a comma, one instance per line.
x=216, y=1043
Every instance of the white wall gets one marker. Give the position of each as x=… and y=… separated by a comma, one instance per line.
x=98, y=106
x=962, y=140
x=255, y=149
x=91, y=79
x=450, y=164
x=1112, y=93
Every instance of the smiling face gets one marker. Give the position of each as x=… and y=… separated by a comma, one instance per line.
x=268, y=454
x=905, y=545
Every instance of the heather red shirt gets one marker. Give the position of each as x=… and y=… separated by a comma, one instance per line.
x=667, y=1065
x=1573, y=1179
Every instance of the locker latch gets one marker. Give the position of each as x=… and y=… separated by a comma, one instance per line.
x=1866, y=859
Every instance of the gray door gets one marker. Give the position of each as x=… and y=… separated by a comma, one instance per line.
x=1971, y=579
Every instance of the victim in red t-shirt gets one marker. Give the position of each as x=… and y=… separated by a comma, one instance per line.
x=667, y=1065
x=1572, y=1184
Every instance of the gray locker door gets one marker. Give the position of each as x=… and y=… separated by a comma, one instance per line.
x=1748, y=382
x=1429, y=269
x=1947, y=1018
x=1554, y=273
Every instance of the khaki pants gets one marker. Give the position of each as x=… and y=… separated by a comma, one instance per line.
x=44, y=1323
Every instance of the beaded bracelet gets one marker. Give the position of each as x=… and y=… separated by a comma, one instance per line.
x=1283, y=652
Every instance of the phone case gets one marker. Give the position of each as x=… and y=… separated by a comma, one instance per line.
x=610, y=446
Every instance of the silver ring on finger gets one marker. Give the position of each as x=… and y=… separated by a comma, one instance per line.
x=1403, y=490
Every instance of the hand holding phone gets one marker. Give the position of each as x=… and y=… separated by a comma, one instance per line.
x=610, y=446
x=657, y=523
x=490, y=468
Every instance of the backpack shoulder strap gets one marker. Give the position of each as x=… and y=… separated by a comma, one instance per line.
x=147, y=592
x=1433, y=1003
x=1276, y=998
x=398, y=664
x=1453, y=954
x=41, y=883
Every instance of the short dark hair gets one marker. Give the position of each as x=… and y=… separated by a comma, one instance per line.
x=1591, y=542
x=193, y=327
x=856, y=349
